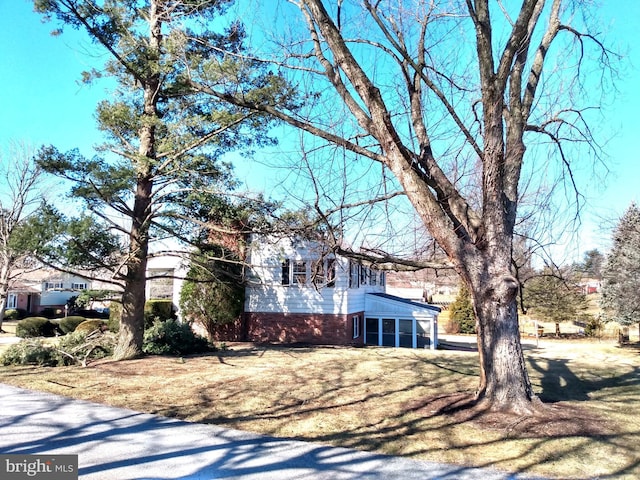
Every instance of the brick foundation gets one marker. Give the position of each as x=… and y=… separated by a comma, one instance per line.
x=302, y=328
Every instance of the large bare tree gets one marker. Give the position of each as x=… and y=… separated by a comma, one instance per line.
x=21, y=193
x=448, y=96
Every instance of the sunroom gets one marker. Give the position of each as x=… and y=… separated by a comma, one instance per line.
x=392, y=321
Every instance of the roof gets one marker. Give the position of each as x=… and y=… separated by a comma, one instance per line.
x=405, y=301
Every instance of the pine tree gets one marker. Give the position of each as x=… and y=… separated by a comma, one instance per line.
x=163, y=142
x=461, y=311
x=621, y=275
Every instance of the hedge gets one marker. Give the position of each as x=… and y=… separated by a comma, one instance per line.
x=36, y=327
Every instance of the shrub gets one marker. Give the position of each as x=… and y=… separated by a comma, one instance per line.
x=91, y=313
x=89, y=326
x=69, y=324
x=115, y=314
x=211, y=299
x=157, y=310
x=36, y=327
x=14, y=314
x=49, y=312
x=172, y=338
x=30, y=352
x=461, y=313
x=593, y=326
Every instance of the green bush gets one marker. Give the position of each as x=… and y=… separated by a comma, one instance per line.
x=36, y=327
x=30, y=352
x=50, y=312
x=14, y=314
x=461, y=315
x=593, y=326
x=69, y=324
x=157, y=310
x=172, y=338
x=153, y=310
x=89, y=326
x=115, y=314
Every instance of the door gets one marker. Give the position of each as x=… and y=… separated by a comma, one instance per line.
x=389, y=332
x=405, y=333
x=371, y=331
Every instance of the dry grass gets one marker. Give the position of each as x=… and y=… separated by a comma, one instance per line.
x=394, y=401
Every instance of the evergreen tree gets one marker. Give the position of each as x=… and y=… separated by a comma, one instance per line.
x=162, y=141
x=213, y=294
x=461, y=311
x=621, y=273
x=554, y=297
x=592, y=264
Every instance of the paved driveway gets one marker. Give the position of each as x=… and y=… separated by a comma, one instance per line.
x=119, y=444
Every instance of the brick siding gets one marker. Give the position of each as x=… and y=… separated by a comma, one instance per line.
x=294, y=328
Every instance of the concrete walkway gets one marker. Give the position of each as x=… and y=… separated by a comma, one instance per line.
x=119, y=444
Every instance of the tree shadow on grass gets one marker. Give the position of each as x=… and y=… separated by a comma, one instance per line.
x=560, y=383
x=118, y=443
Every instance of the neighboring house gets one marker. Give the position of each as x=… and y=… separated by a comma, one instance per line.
x=44, y=289
x=165, y=276
x=297, y=292
x=435, y=287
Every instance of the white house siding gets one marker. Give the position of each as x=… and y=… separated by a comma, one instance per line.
x=265, y=292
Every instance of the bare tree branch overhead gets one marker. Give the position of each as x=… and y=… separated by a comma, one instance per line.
x=460, y=102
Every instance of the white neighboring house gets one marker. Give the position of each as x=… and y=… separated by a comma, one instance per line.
x=165, y=276
x=297, y=292
x=44, y=289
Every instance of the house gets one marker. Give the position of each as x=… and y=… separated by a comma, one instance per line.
x=437, y=287
x=165, y=277
x=299, y=292
x=44, y=288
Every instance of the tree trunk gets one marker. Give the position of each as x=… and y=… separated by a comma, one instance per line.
x=131, y=333
x=504, y=381
x=3, y=304
x=4, y=290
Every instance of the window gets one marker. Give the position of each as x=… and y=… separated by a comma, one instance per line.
x=317, y=272
x=53, y=285
x=331, y=272
x=353, y=275
x=383, y=279
x=363, y=274
x=78, y=286
x=373, y=277
x=324, y=272
x=286, y=272
x=12, y=301
x=299, y=272
x=356, y=326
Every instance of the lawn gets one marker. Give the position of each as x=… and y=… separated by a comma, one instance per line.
x=394, y=401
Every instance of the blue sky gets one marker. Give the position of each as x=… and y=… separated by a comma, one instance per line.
x=43, y=103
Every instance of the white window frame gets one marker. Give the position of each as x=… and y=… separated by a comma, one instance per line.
x=299, y=274
x=12, y=300
x=354, y=274
x=324, y=272
x=79, y=286
x=356, y=326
